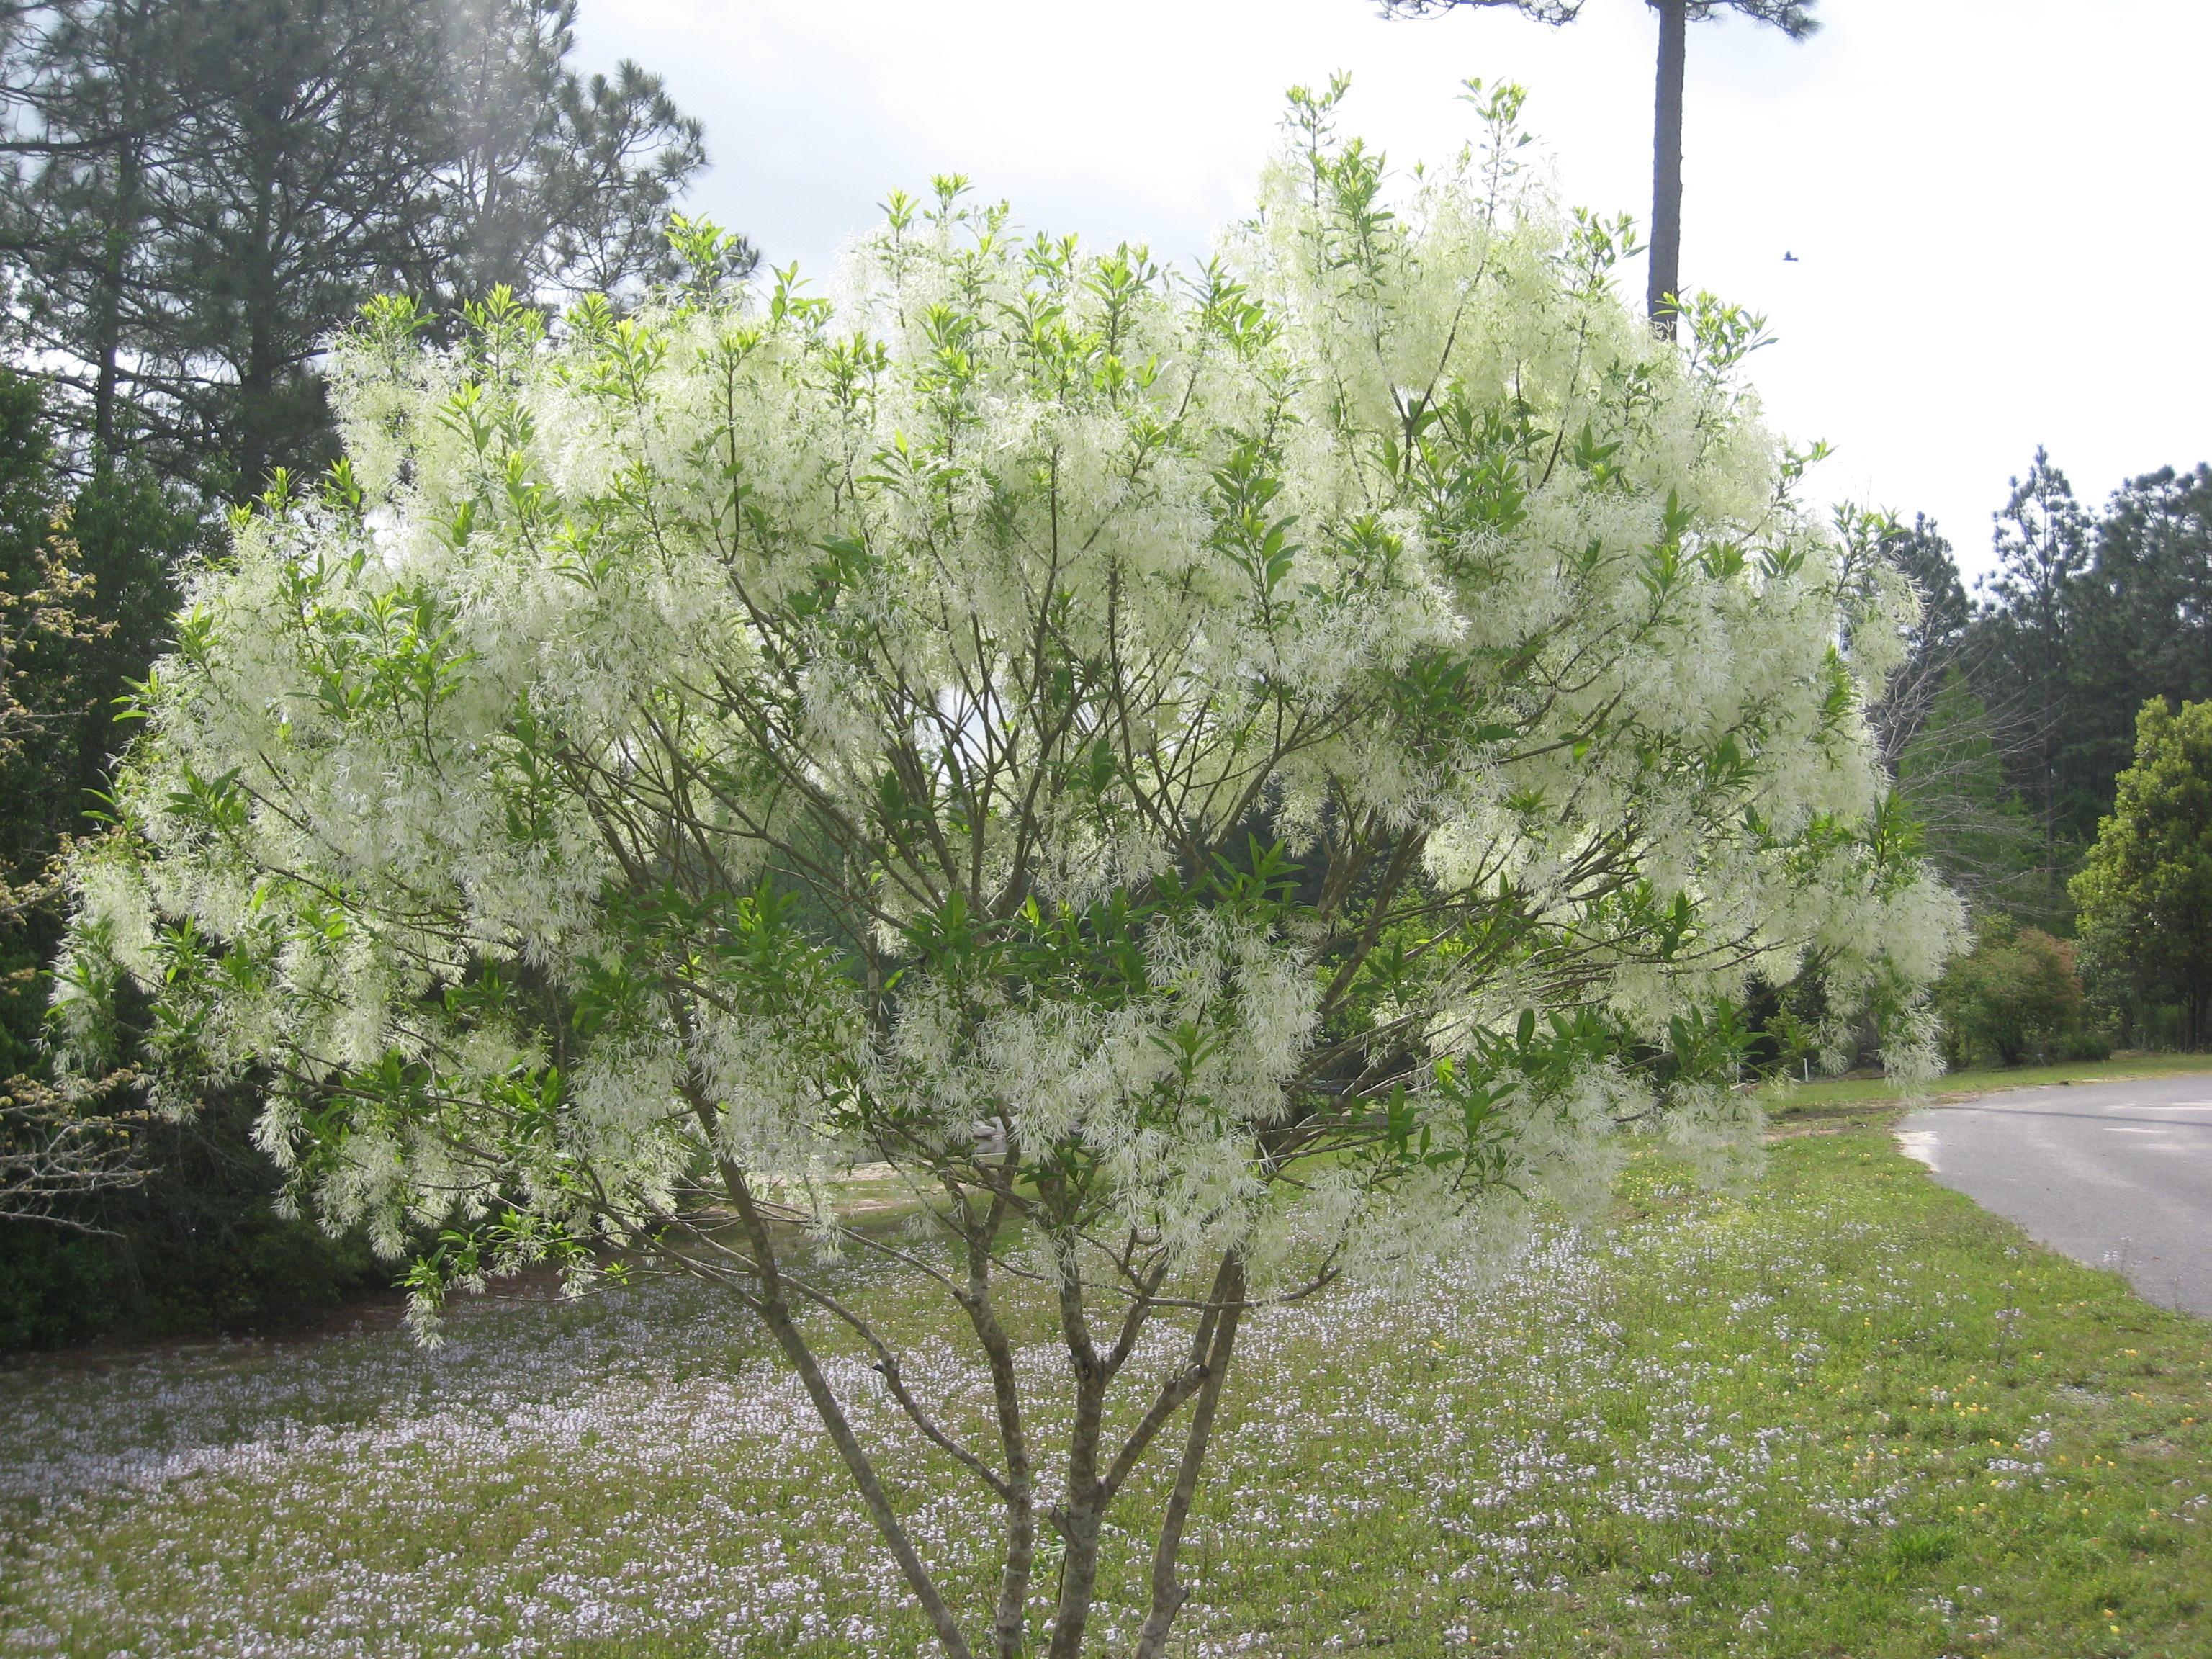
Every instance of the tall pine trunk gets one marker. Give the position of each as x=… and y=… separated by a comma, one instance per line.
x=116, y=248
x=1666, y=165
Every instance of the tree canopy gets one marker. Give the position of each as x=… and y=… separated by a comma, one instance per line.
x=2145, y=894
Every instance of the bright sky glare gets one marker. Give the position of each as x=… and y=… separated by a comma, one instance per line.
x=1993, y=204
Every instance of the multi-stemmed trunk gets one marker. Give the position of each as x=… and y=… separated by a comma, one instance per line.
x=1083, y=1515
x=1168, y=1592
x=1666, y=264
x=1094, y=1479
x=1092, y=1490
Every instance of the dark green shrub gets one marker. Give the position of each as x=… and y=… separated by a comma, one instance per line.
x=2087, y=1044
x=199, y=1248
x=199, y=1245
x=2014, y=998
x=57, y=1286
x=2145, y=895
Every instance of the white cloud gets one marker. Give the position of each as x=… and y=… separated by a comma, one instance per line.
x=1994, y=205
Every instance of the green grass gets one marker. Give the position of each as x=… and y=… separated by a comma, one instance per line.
x=1842, y=1412
x=1906, y=1384
x=1828, y=1095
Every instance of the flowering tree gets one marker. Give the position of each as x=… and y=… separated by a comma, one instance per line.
x=1222, y=782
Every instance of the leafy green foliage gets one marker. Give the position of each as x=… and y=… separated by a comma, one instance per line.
x=2086, y=616
x=84, y=600
x=200, y=1245
x=139, y=1225
x=2010, y=724
x=2014, y=997
x=2147, y=624
x=2146, y=892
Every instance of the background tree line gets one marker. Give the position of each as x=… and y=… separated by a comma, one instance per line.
x=2015, y=728
x=194, y=194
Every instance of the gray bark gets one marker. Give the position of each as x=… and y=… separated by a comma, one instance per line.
x=1666, y=271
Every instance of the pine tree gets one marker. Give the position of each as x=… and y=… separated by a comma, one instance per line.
x=1951, y=774
x=557, y=185
x=1794, y=18
x=2029, y=631
x=98, y=96
x=1944, y=744
x=2145, y=627
x=206, y=189
x=300, y=196
x=1922, y=556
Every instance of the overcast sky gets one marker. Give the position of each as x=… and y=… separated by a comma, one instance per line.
x=1997, y=205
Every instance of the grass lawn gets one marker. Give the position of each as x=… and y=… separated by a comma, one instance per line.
x=1832, y=1095
x=1841, y=1413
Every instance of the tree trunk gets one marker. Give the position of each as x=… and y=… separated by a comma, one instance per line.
x=776, y=1313
x=773, y=1309
x=1085, y=1515
x=1168, y=1592
x=1667, y=167
x=1010, y=1622
x=115, y=256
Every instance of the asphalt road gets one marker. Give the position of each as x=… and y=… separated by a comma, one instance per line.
x=2116, y=1175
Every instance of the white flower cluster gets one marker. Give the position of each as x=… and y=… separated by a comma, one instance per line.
x=1280, y=748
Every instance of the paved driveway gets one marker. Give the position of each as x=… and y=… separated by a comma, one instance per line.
x=2117, y=1175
